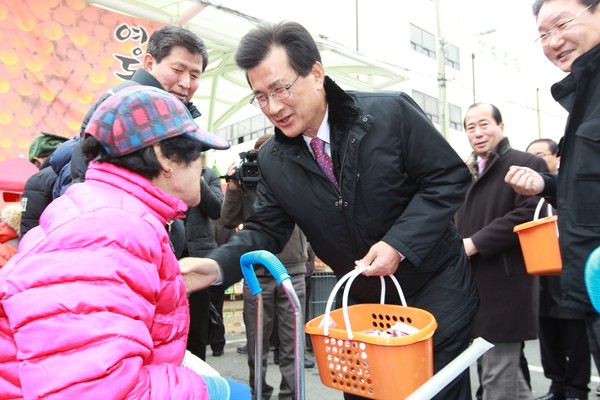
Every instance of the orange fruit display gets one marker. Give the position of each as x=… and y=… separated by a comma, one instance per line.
x=57, y=58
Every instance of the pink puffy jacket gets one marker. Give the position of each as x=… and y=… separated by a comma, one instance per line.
x=93, y=305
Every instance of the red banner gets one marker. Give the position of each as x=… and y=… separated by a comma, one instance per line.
x=57, y=57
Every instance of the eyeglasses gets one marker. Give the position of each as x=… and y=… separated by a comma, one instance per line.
x=561, y=25
x=280, y=93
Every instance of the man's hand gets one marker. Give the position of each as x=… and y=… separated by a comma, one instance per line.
x=381, y=260
x=198, y=273
x=470, y=248
x=524, y=180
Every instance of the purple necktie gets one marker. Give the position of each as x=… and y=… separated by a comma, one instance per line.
x=324, y=161
x=481, y=165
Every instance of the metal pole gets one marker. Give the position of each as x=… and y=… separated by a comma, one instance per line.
x=299, y=347
x=356, y=22
x=279, y=272
x=258, y=347
x=440, y=55
x=537, y=109
x=473, y=69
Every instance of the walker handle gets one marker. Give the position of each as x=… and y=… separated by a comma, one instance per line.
x=270, y=262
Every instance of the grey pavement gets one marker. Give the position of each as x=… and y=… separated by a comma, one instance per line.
x=234, y=365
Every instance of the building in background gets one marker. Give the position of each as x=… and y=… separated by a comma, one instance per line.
x=488, y=60
x=374, y=44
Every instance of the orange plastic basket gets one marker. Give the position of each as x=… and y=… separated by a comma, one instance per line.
x=370, y=366
x=539, y=244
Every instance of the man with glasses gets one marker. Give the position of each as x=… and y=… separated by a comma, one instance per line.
x=379, y=189
x=547, y=149
x=562, y=335
x=570, y=39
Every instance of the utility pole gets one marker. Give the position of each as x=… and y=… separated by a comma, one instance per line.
x=537, y=110
x=473, y=59
x=473, y=74
x=440, y=55
x=356, y=23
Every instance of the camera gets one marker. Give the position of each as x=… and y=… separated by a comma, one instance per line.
x=247, y=172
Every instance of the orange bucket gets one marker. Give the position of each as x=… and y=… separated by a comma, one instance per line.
x=370, y=366
x=539, y=244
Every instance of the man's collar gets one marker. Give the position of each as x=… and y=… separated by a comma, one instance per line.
x=324, y=132
x=584, y=66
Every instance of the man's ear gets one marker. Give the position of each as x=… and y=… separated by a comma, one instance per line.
x=318, y=72
x=38, y=161
x=148, y=62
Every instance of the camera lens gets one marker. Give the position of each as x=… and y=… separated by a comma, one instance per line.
x=252, y=172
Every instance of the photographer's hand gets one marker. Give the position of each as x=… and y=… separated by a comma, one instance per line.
x=232, y=184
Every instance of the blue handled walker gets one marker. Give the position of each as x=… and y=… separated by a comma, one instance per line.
x=280, y=273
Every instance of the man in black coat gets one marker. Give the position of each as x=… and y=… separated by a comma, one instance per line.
x=200, y=239
x=570, y=39
x=564, y=349
x=38, y=188
x=386, y=201
x=509, y=295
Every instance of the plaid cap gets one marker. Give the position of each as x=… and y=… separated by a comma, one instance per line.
x=140, y=116
x=44, y=145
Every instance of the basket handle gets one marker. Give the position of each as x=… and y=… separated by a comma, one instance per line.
x=350, y=277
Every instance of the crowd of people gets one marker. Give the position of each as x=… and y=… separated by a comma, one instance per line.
x=124, y=241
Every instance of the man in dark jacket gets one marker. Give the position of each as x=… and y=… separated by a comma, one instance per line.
x=36, y=197
x=42, y=147
x=398, y=184
x=509, y=295
x=570, y=38
x=174, y=60
x=278, y=315
x=564, y=349
x=38, y=188
x=200, y=239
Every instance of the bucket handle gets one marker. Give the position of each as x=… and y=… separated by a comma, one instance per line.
x=350, y=277
x=538, y=209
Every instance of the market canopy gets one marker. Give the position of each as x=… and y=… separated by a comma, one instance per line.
x=14, y=174
x=223, y=88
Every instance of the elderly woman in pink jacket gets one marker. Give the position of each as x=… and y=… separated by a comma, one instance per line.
x=93, y=305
